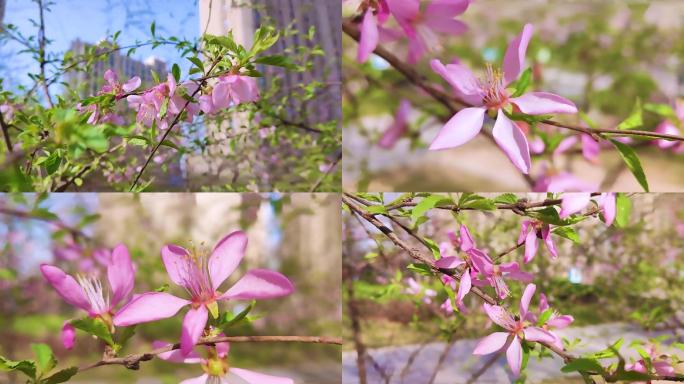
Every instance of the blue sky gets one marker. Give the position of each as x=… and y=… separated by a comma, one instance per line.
x=92, y=20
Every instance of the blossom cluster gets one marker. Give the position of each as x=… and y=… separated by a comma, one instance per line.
x=198, y=272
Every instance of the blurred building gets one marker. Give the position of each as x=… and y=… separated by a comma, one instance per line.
x=89, y=83
x=3, y=3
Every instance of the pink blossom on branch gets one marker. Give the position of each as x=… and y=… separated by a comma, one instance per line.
x=201, y=276
x=423, y=28
x=398, y=127
x=516, y=330
x=216, y=367
x=88, y=294
x=490, y=95
x=376, y=13
x=530, y=232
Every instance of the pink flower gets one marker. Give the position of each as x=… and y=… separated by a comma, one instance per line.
x=398, y=128
x=376, y=13
x=550, y=181
x=555, y=321
x=575, y=202
x=591, y=149
x=529, y=233
x=423, y=29
x=414, y=288
x=490, y=94
x=114, y=87
x=201, y=277
x=516, y=330
x=88, y=293
x=230, y=89
x=670, y=128
x=8, y=111
x=216, y=366
x=68, y=335
x=149, y=104
x=660, y=365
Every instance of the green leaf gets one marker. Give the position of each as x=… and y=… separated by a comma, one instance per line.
x=568, y=233
x=275, y=60
x=94, y=327
x=61, y=376
x=420, y=268
x=7, y=274
x=433, y=247
x=28, y=367
x=506, y=198
x=226, y=321
x=522, y=83
x=175, y=70
x=427, y=204
x=164, y=108
x=153, y=28
x=198, y=63
x=583, y=365
x=609, y=352
x=45, y=359
x=663, y=110
x=634, y=120
x=623, y=207
x=629, y=376
x=545, y=317
x=124, y=334
x=632, y=160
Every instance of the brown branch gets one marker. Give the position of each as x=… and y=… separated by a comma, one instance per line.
x=484, y=368
x=332, y=167
x=132, y=361
x=5, y=133
x=41, y=53
x=355, y=324
x=4, y=210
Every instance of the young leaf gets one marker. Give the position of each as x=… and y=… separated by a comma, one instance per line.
x=634, y=120
x=427, y=204
x=226, y=322
x=632, y=160
x=153, y=28
x=568, y=233
x=61, y=376
x=175, y=70
x=623, y=209
x=28, y=367
x=94, y=327
x=45, y=359
x=583, y=365
x=275, y=60
x=198, y=63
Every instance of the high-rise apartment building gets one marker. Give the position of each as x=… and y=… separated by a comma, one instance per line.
x=89, y=83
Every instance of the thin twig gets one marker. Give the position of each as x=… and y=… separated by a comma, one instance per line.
x=332, y=167
x=5, y=132
x=133, y=361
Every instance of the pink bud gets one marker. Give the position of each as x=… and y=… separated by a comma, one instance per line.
x=68, y=335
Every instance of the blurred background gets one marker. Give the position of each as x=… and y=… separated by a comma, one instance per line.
x=295, y=234
x=603, y=55
x=616, y=282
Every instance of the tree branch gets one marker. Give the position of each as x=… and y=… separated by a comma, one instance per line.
x=132, y=361
x=41, y=53
x=5, y=133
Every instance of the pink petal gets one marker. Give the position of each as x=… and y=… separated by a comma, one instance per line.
x=449, y=262
x=68, y=335
x=542, y=103
x=461, y=79
x=132, y=84
x=464, y=286
x=491, y=343
x=66, y=286
x=111, y=77
x=245, y=90
x=171, y=82
x=591, y=149
x=193, y=327
x=512, y=141
x=531, y=246
x=667, y=128
x=149, y=306
x=176, y=356
x=560, y=321
x=369, y=36
x=514, y=356
x=460, y=129
x=446, y=9
x=609, y=208
x=447, y=26
x=500, y=316
x=404, y=10
x=538, y=334
x=220, y=96
x=663, y=368
x=206, y=104
x=259, y=284
x=467, y=242
x=564, y=145
x=260, y=378
x=222, y=349
x=514, y=60
x=548, y=240
x=174, y=257
x=573, y=203
x=524, y=229
x=398, y=127
x=196, y=380
x=120, y=274
x=226, y=256
x=526, y=298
